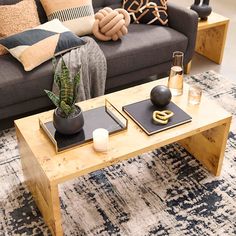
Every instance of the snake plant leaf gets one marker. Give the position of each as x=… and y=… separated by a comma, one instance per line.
x=55, y=99
x=66, y=92
x=57, y=79
x=66, y=85
x=56, y=74
x=77, y=78
x=67, y=109
x=76, y=87
x=68, y=88
x=65, y=73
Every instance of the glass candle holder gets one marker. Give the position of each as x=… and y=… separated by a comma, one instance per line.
x=194, y=95
x=100, y=140
x=175, y=81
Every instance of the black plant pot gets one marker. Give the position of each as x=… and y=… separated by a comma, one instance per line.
x=203, y=10
x=70, y=125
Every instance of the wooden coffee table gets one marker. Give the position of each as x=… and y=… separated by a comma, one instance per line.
x=205, y=137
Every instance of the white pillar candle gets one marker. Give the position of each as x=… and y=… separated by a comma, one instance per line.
x=100, y=140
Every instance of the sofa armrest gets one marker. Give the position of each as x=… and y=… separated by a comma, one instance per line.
x=185, y=21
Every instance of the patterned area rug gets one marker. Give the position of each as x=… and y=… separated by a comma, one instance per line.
x=164, y=192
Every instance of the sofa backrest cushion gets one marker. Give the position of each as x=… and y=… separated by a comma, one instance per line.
x=98, y=4
x=42, y=14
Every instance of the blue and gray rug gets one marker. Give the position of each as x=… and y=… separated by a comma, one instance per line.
x=164, y=192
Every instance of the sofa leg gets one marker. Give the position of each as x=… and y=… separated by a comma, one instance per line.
x=187, y=68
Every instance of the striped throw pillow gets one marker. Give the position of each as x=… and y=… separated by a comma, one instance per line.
x=76, y=15
x=35, y=46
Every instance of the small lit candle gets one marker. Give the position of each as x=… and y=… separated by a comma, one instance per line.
x=100, y=140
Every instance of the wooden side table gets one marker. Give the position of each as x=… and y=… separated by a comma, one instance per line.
x=211, y=37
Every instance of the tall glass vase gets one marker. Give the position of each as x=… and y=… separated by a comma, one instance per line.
x=175, y=81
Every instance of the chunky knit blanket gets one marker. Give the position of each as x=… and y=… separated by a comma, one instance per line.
x=91, y=62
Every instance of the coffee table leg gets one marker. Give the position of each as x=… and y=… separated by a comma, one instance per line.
x=49, y=204
x=54, y=211
x=47, y=199
x=44, y=193
x=209, y=147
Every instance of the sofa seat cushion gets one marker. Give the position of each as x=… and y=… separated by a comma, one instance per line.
x=17, y=86
x=154, y=43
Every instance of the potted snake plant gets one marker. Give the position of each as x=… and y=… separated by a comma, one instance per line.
x=68, y=117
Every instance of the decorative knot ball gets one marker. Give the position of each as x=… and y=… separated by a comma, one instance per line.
x=160, y=96
x=111, y=24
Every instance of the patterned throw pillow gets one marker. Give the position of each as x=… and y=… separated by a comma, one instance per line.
x=16, y=18
x=35, y=46
x=76, y=15
x=152, y=12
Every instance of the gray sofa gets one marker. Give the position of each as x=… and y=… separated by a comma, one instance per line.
x=146, y=50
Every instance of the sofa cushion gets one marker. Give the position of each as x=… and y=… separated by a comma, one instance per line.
x=106, y=3
x=152, y=12
x=17, y=86
x=78, y=16
x=41, y=12
x=35, y=46
x=9, y=14
x=154, y=43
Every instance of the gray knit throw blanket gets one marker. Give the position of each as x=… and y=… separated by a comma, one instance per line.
x=91, y=62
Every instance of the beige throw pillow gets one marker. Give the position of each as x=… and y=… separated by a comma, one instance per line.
x=35, y=46
x=16, y=18
x=76, y=15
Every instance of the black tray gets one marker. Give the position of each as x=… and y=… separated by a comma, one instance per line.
x=102, y=117
x=141, y=113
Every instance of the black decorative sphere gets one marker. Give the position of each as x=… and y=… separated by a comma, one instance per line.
x=160, y=95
